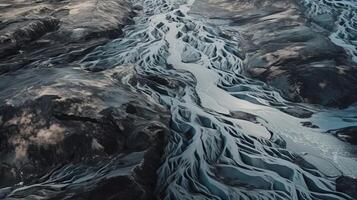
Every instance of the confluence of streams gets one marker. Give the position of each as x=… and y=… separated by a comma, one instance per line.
x=228, y=140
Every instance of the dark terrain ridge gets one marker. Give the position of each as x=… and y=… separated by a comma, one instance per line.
x=68, y=117
x=52, y=114
x=291, y=52
x=32, y=32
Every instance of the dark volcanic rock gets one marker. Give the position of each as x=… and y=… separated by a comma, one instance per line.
x=347, y=185
x=348, y=134
x=60, y=125
x=297, y=112
x=309, y=124
x=290, y=51
x=19, y=33
x=81, y=119
x=45, y=33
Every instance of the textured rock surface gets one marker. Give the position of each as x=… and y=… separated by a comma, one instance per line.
x=172, y=110
x=58, y=122
x=45, y=33
x=80, y=119
x=347, y=185
x=348, y=134
x=290, y=51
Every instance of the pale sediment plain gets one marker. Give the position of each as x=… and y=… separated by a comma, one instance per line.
x=187, y=99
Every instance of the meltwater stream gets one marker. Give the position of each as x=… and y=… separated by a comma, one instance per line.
x=230, y=138
x=345, y=13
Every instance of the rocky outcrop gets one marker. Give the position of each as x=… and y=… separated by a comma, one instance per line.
x=66, y=133
x=347, y=185
x=348, y=134
x=289, y=50
x=84, y=121
x=45, y=33
x=185, y=122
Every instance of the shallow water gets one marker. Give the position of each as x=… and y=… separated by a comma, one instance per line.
x=211, y=151
x=229, y=137
x=344, y=14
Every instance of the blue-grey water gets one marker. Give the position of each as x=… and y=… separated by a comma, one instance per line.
x=211, y=153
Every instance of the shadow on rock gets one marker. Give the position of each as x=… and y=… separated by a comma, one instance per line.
x=87, y=129
x=46, y=33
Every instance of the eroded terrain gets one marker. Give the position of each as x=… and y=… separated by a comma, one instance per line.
x=161, y=99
